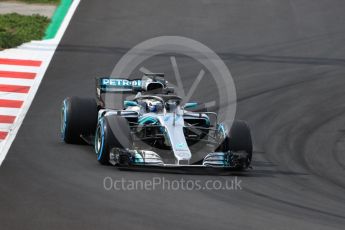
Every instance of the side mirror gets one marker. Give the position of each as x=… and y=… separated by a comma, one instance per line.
x=190, y=105
x=129, y=103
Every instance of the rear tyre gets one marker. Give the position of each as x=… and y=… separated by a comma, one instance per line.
x=78, y=117
x=112, y=132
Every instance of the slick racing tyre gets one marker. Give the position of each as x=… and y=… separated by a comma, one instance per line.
x=112, y=132
x=78, y=117
x=238, y=140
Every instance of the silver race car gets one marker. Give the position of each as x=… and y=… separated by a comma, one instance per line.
x=153, y=128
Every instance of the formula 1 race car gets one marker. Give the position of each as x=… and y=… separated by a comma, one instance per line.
x=154, y=128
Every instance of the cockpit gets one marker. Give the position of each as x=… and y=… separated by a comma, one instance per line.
x=155, y=103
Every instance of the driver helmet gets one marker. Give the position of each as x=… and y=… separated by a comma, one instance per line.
x=154, y=106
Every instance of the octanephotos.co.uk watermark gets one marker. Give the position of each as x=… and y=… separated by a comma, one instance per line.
x=163, y=183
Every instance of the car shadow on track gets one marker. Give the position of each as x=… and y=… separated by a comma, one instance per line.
x=252, y=172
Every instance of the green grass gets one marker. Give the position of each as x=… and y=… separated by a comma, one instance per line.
x=16, y=29
x=36, y=1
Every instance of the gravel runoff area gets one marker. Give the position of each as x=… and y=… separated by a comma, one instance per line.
x=27, y=9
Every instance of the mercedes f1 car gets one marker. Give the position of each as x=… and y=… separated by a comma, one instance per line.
x=154, y=128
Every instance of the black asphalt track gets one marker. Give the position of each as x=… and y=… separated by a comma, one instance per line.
x=287, y=58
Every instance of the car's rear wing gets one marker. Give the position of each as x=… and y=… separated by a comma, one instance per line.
x=109, y=90
x=117, y=85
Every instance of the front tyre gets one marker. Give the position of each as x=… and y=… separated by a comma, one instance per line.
x=241, y=138
x=239, y=142
x=112, y=132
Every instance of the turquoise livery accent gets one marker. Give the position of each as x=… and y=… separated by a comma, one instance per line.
x=138, y=158
x=190, y=105
x=147, y=120
x=129, y=103
x=181, y=145
x=221, y=129
x=121, y=83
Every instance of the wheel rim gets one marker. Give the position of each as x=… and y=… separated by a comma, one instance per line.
x=99, y=140
x=63, y=120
